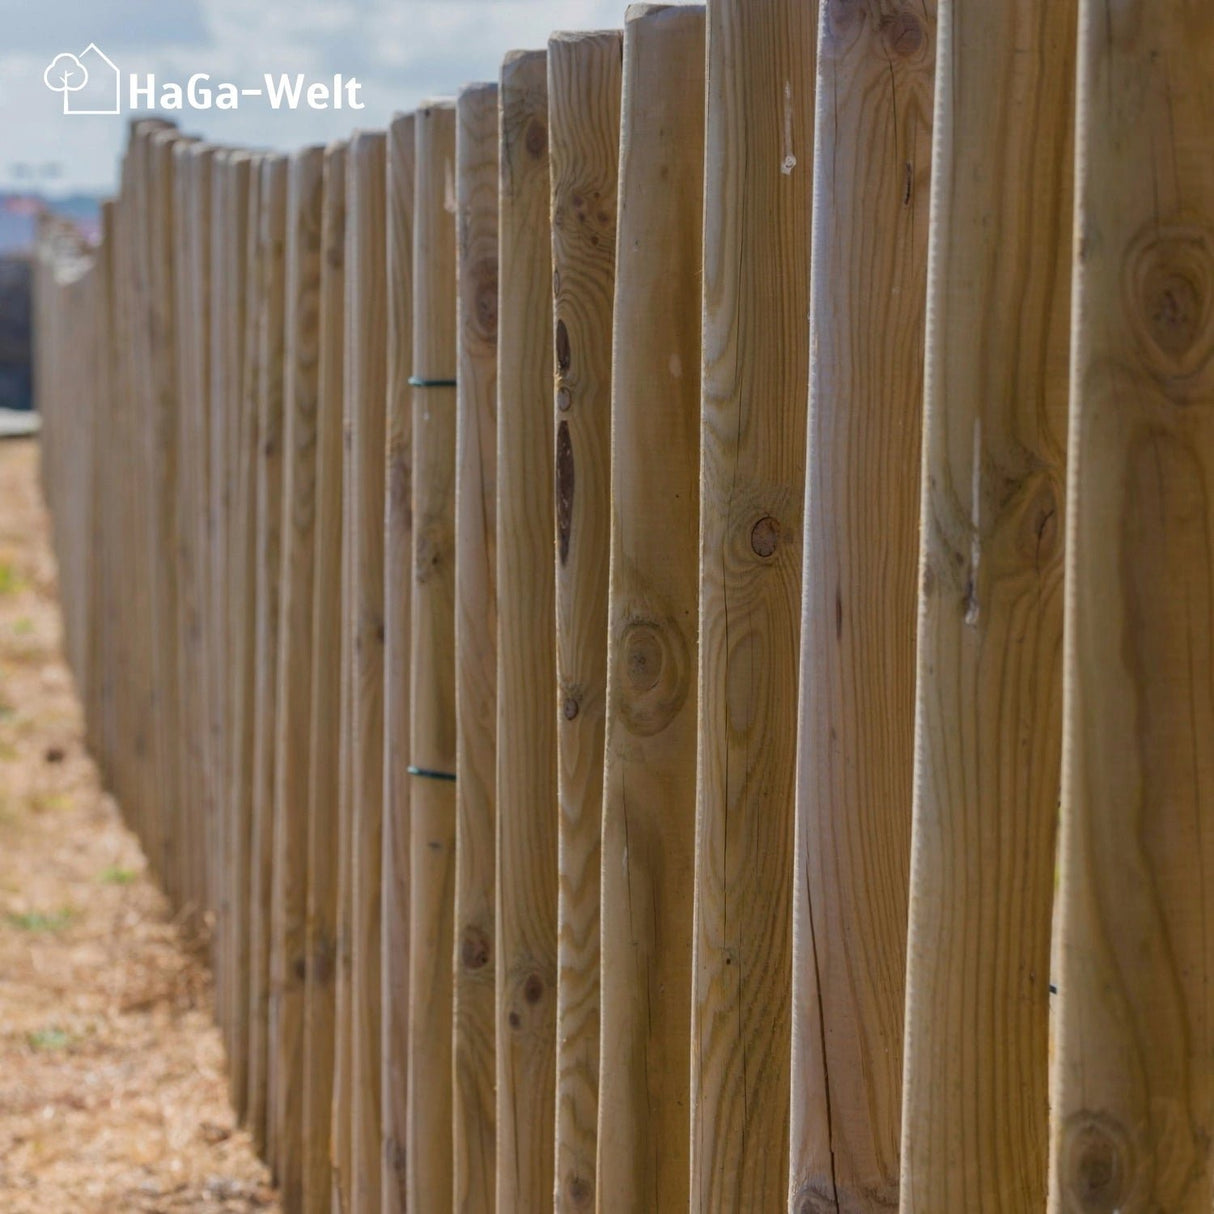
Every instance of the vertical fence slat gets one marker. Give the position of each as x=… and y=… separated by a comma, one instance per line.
x=1133, y=1090
x=987, y=743
x=758, y=181
x=325, y=727
x=366, y=388
x=526, y=675
x=857, y=699
x=650, y=757
x=476, y=191
x=288, y=905
x=432, y=721
x=584, y=139
x=398, y=581
x=268, y=562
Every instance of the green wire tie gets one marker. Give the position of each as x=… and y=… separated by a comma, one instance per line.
x=427, y=774
x=415, y=381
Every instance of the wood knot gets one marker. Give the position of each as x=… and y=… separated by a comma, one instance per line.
x=564, y=356
x=564, y=399
x=474, y=950
x=570, y=708
x=536, y=138
x=1168, y=286
x=533, y=988
x=564, y=489
x=1097, y=1164
x=482, y=278
x=579, y=1192
x=653, y=675
x=904, y=36
x=428, y=551
x=765, y=536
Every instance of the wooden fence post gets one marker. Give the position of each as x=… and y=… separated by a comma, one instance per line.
x=243, y=636
x=325, y=727
x=1133, y=1084
x=432, y=731
x=398, y=582
x=758, y=183
x=855, y=757
x=526, y=676
x=366, y=401
x=268, y=541
x=650, y=766
x=987, y=744
x=583, y=140
x=288, y=957
x=476, y=192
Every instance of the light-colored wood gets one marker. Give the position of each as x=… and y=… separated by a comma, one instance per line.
x=325, y=728
x=1133, y=1089
x=268, y=558
x=987, y=744
x=650, y=759
x=584, y=139
x=366, y=403
x=758, y=184
x=855, y=755
x=243, y=638
x=398, y=582
x=288, y=957
x=525, y=1055
x=432, y=720
x=476, y=190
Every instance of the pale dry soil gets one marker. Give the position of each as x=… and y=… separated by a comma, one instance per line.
x=112, y=1089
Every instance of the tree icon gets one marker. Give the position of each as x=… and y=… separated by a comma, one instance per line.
x=65, y=74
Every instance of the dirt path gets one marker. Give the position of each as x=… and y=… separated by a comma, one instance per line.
x=112, y=1094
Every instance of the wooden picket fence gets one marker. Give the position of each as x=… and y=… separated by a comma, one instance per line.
x=572, y=593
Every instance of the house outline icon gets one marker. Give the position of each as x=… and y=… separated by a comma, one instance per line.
x=92, y=53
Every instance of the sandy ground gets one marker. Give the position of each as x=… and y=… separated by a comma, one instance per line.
x=112, y=1093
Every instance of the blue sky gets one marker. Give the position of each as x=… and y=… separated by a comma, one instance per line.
x=402, y=51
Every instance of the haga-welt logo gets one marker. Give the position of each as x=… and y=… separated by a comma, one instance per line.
x=91, y=83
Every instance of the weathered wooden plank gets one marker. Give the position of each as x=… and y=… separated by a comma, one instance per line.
x=288, y=956
x=987, y=743
x=758, y=183
x=583, y=140
x=325, y=727
x=476, y=192
x=1133, y=1087
x=855, y=757
x=648, y=875
x=432, y=732
x=398, y=581
x=526, y=676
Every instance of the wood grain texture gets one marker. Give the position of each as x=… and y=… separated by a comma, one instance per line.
x=1133, y=1085
x=650, y=758
x=243, y=638
x=432, y=720
x=288, y=956
x=758, y=183
x=398, y=582
x=474, y=1147
x=325, y=727
x=366, y=370
x=855, y=756
x=987, y=743
x=268, y=558
x=584, y=73
x=527, y=812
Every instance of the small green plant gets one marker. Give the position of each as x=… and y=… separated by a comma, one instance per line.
x=42, y=921
x=10, y=579
x=115, y=874
x=49, y=1039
